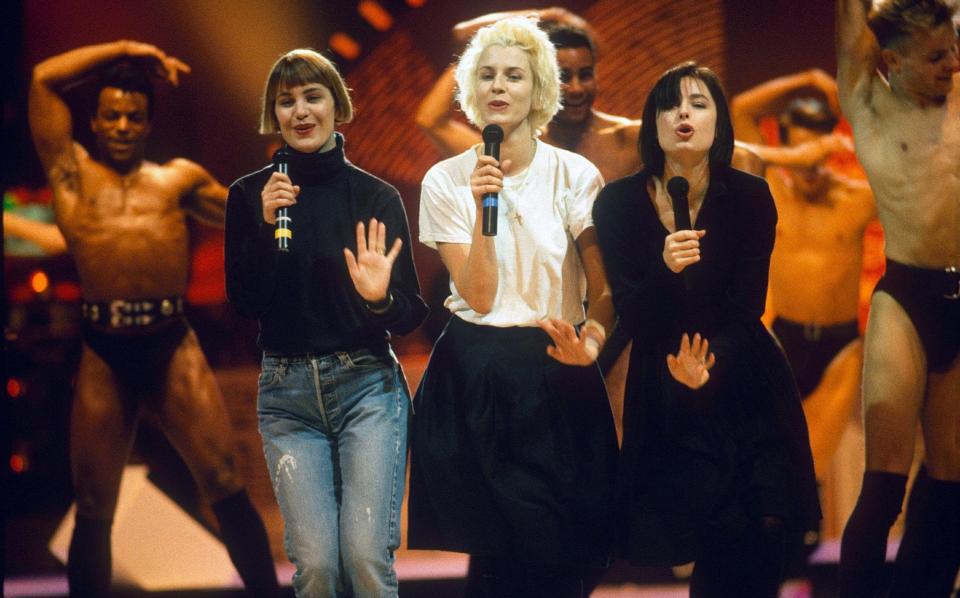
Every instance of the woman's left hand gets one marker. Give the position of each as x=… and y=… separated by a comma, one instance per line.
x=691, y=365
x=569, y=348
x=370, y=268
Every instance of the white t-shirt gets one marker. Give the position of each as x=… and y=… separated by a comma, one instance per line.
x=541, y=212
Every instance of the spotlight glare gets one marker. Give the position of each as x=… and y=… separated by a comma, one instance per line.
x=18, y=464
x=39, y=281
x=344, y=45
x=375, y=14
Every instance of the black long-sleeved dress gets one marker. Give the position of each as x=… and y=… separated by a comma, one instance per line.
x=737, y=448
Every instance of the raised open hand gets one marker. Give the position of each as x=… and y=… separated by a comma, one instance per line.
x=691, y=365
x=370, y=268
x=568, y=347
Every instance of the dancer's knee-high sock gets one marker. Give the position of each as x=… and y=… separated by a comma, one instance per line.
x=929, y=554
x=88, y=562
x=864, y=546
x=246, y=540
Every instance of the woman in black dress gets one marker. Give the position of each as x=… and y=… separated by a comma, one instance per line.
x=715, y=464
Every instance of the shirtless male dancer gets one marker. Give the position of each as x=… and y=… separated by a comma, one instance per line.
x=124, y=220
x=814, y=293
x=906, y=128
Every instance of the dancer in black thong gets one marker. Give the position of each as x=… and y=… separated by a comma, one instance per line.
x=125, y=224
x=907, y=134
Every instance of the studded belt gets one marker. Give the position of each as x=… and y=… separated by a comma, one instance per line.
x=121, y=313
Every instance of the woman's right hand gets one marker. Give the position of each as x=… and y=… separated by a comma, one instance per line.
x=487, y=177
x=691, y=365
x=682, y=248
x=279, y=192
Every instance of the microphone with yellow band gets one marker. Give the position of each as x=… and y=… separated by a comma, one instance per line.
x=283, y=233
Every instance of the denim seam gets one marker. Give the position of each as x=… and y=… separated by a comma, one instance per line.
x=398, y=405
x=314, y=365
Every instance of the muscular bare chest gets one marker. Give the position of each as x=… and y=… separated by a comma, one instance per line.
x=128, y=235
x=828, y=223
x=143, y=203
x=612, y=155
x=912, y=159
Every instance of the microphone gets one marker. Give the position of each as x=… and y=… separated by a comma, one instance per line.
x=492, y=136
x=283, y=234
x=678, y=187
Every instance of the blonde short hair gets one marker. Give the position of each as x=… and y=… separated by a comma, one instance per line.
x=302, y=67
x=522, y=33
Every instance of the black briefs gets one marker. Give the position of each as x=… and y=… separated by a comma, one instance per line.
x=810, y=348
x=138, y=343
x=931, y=299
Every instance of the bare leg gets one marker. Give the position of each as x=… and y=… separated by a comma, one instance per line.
x=893, y=388
x=616, y=380
x=894, y=381
x=941, y=424
x=102, y=428
x=829, y=406
x=194, y=417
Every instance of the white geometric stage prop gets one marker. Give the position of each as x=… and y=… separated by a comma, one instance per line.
x=156, y=545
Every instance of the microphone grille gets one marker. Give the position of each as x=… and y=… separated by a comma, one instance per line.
x=678, y=187
x=492, y=134
x=281, y=155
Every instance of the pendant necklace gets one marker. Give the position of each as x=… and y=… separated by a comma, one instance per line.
x=519, y=187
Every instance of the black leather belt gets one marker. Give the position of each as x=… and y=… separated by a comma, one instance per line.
x=121, y=313
x=814, y=332
x=953, y=284
x=945, y=282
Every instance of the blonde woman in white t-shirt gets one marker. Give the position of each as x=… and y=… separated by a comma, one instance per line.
x=513, y=447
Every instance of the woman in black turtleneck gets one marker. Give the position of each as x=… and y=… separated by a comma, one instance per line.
x=332, y=400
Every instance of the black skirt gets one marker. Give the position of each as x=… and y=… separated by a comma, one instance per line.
x=513, y=454
x=695, y=462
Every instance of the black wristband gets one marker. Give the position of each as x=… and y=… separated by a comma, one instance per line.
x=381, y=306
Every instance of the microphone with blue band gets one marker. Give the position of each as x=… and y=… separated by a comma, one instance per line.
x=492, y=136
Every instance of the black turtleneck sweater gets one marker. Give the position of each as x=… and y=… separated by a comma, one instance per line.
x=304, y=299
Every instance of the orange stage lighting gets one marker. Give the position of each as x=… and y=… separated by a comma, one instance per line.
x=375, y=14
x=18, y=463
x=67, y=292
x=344, y=45
x=14, y=388
x=39, y=281
x=416, y=3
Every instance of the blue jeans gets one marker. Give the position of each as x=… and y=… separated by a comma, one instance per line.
x=334, y=431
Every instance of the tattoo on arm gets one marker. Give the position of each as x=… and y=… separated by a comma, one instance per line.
x=64, y=175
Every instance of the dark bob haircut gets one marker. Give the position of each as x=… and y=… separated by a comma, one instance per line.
x=666, y=95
